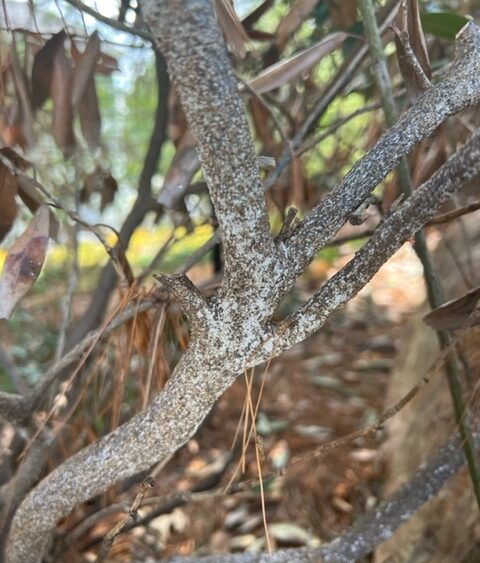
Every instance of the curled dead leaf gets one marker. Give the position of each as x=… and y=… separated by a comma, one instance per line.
x=100, y=181
x=42, y=70
x=61, y=92
x=24, y=262
x=455, y=314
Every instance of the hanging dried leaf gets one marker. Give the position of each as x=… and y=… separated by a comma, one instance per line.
x=232, y=27
x=417, y=37
x=9, y=189
x=84, y=68
x=33, y=200
x=24, y=262
x=458, y=313
x=84, y=93
x=61, y=92
x=342, y=14
x=411, y=49
x=261, y=121
x=288, y=69
x=106, y=64
x=297, y=14
x=23, y=97
x=8, y=205
x=177, y=121
x=102, y=182
x=42, y=70
x=12, y=131
x=184, y=166
x=109, y=190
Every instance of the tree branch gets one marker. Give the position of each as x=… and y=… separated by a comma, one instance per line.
x=116, y=24
x=187, y=33
x=386, y=240
x=376, y=526
x=460, y=90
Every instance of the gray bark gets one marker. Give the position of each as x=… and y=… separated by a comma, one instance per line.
x=233, y=330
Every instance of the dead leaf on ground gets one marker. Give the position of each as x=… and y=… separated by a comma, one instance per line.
x=282, y=72
x=456, y=313
x=24, y=262
x=42, y=70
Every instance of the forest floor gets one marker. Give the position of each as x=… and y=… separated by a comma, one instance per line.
x=322, y=390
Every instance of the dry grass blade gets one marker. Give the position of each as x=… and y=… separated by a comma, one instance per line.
x=458, y=313
x=24, y=262
x=293, y=20
x=282, y=72
x=232, y=27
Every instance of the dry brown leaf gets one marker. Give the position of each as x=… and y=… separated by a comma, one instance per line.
x=24, y=262
x=11, y=126
x=23, y=97
x=417, y=37
x=297, y=14
x=88, y=107
x=84, y=67
x=184, y=166
x=100, y=181
x=33, y=200
x=232, y=27
x=61, y=92
x=9, y=189
x=42, y=70
x=458, y=313
x=343, y=13
x=282, y=72
x=106, y=64
x=8, y=205
x=177, y=121
x=261, y=119
x=411, y=48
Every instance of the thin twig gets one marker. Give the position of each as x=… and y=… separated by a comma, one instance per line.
x=108, y=21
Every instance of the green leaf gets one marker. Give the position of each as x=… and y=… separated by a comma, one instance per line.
x=443, y=24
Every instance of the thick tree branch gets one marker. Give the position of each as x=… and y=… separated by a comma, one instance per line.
x=14, y=408
x=386, y=240
x=376, y=526
x=187, y=33
x=461, y=89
